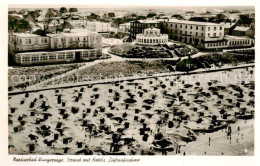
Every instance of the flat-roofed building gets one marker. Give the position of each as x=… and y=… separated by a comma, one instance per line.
x=231, y=42
x=56, y=56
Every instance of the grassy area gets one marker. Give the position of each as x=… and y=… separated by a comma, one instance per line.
x=20, y=77
x=121, y=49
x=137, y=51
x=217, y=59
x=233, y=58
x=120, y=69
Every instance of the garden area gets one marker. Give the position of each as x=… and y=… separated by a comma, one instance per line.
x=137, y=51
x=182, y=49
x=232, y=57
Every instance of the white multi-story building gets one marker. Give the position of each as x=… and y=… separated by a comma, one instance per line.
x=76, y=45
x=151, y=36
x=200, y=34
x=24, y=42
x=197, y=33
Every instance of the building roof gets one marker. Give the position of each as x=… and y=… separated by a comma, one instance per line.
x=192, y=22
x=227, y=24
x=126, y=24
x=228, y=37
x=78, y=34
x=148, y=21
x=65, y=25
x=25, y=35
x=238, y=28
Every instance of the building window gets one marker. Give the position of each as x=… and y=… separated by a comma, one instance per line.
x=186, y=27
x=29, y=41
x=208, y=34
x=202, y=34
x=196, y=33
x=171, y=25
x=208, y=28
x=215, y=28
x=202, y=28
x=181, y=26
x=181, y=32
x=220, y=34
x=176, y=26
x=185, y=32
x=214, y=34
x=197, y=27
x=191, y=27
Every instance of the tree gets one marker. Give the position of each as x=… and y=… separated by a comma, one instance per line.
x=73, y=10
x=199, y=19
x=63, y=10
x=22, y=25
x=40, y=32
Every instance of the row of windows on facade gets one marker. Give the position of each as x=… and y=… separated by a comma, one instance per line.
x=29, y=58
x=29, y=41
x=152, y=40
x=191, y=27
x=144, y=25
x=197, y=34
x=232, y=43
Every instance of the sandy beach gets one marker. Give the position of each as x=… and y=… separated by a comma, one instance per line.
x=175, y=115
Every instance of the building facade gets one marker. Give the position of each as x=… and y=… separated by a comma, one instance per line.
x=37, y=57
x=100, y=27
x=25, y=42
x=191, y=32
x=124, y=27
x=75, y=45
x=203, y=34
x=151, y=36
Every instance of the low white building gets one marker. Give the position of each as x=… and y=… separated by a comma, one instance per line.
x=124, y=27
x=151, y=36
x=231, y=42
x=36, y=57
x=100, y=27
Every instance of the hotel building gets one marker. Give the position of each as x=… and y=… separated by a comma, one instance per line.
x=73, y=46
x=202, y=34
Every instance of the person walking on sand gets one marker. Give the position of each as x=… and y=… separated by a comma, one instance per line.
x=209, y=140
